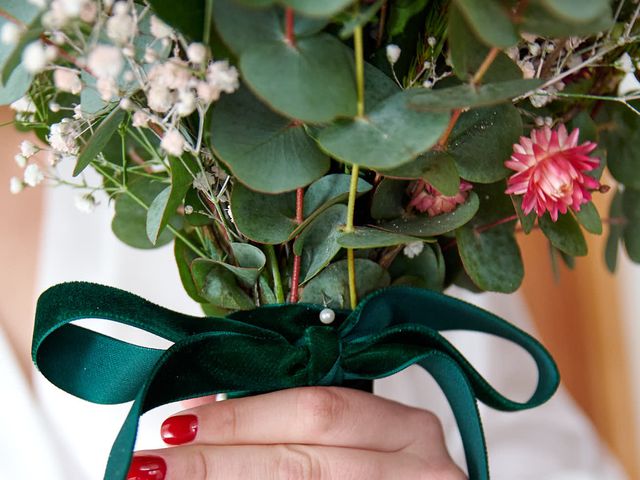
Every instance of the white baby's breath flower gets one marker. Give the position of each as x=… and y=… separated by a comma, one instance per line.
x=186, y=104
x=28, y=149
x=33, y=175
x=105, y=61
x=10, y=33
x=188, y=209
x=159, y=29
x=393, y=53
x=126, y=104
x=629, y=84
x=160, y=99
x=173, y=143
x=67, y=81
x=38, y=3
x=140, y=119
x=223, y=76
x=34, y=57
x=72, y=7
x=121, y=27
x=85, y=203
x=432, y=41
x=624, y=63
x=107, y=88
x=54, y=107
x=413, y=249
x=63, y=137
x=77, y=112
x=23, y=105
x=197, y=53
x=20, y=160
x=15, y=185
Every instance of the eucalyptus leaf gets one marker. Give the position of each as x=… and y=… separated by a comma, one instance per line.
x=265, y=151
x=362, y=18
x=250, y=262
x=424, y=226
x=388, y=200
x=242, y=27
x=536, y=19
x=564, y=234
x=615, y=232
x=589, y=218
x=315, y=8
x=317, y=244
x=293, y=79
x=263, y=218
x=526, y=221
x=96, y=142
x=16, y=86
x=331, y=286
x=188, y=18
x=437, y=167
x=490, y=21
x=368, y=237
x=184, y=256
x=579, y=11
x=388, y=136
x=219, y=286
x=620, y=139
x=631, y=212
x=428, y=266
x=329, y=190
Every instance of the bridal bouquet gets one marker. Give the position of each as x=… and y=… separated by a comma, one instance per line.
x=322, y=151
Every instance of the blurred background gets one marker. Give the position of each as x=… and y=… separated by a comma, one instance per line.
x=586, y=316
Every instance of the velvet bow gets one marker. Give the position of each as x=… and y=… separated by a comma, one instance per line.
x=270, y=348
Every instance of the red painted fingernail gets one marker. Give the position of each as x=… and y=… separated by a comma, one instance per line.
x=179, y=430
x=146, y=467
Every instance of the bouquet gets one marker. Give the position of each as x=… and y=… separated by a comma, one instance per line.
x=321, y=152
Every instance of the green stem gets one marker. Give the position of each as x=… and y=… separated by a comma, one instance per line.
x=208, y=11
x=275, y=273
x=359, y=52
x=140, y=202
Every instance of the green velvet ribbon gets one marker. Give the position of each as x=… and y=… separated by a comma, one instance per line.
x=270, y=348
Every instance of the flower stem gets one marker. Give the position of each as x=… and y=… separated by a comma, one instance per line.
x=275, y=273
x=355, y=170
x=289, y=26
x=297, y=259
x=208, y=11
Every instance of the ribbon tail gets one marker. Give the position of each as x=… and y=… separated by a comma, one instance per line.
x=461, y=397
x=121, y=451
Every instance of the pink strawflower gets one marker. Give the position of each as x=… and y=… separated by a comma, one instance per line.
x=425, y=198
x=551, y=170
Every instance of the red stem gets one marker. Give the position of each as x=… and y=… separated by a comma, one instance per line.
x=289, y=27
x=295, y=277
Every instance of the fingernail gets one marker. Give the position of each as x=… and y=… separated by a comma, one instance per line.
x=179, y=429
x=146, y=467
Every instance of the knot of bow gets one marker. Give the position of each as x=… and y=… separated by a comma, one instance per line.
x=272, y=347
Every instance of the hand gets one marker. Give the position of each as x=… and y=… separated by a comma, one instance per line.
x=313, y=433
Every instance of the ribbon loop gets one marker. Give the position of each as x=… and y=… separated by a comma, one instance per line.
x=270, y=348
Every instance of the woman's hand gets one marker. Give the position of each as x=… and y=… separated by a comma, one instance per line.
x=313, y=433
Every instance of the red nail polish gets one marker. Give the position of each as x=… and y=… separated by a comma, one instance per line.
x=146, y=467
x=180, y=429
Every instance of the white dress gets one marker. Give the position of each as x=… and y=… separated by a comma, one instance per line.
x=553, y=442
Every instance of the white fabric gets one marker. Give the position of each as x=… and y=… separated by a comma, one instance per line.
x=554, y=442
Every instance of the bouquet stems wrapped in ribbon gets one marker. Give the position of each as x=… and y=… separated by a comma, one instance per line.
x=356, y=156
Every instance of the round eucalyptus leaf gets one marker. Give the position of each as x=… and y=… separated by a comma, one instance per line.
x=564, y=234
x=219, y=286
x=330, y=189
x=368, y=237
x=263, y=218
x=436, y=167
x=331, y=286
x=491, y=258
x=388, y=200
x=423, y=226
x=579, y=11
x=428, y=266
x=315, y=8
x=589, y=218
x=16, y=86
x=263, y=150
x=312, y=81
x=615, y=233
x=388, y=136
x=620, y=139
x=490, y=21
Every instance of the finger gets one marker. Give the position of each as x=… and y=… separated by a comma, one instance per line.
x=284, y=462
x=315, y=415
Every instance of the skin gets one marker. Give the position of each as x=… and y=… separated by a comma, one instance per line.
x=312, y=433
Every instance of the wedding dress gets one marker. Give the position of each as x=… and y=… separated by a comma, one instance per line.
x=553, y=442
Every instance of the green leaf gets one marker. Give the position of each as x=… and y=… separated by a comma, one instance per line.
x=437, y=167
x=491, y=258
x=490, y=21
x=331, y=286
x=362, y=18
x=631, y=211
x=242, y=27
x=467, y=53
x=184, y=256
x=482, y=140
x=468, y=96
x=187, y=17
x=314, y=8
x=389, y=135
x=317, y=244
x=589, y=218
x=16, y=86
x=12, y=56
x=164, y=206
x=219, y=286
x=263, y=150
x=526, y=221
x=263, y=218
x=428, y=267
x=564, y=234
x=328, y=190
x=250, y=262
x=130, y=219
x=367, y=237
x=621, y=138
x=423, y=226
x=615, y=232
x=401, y=12
x=536, y=19
x=107, y=128
x=388, y=200
x=579, y=11
x=312, y=81
x=196, y=218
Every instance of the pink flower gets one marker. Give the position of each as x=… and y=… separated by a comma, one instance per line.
x=551, y=170
x=425, y=198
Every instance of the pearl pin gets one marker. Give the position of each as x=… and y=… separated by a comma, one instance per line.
x=327, y=316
